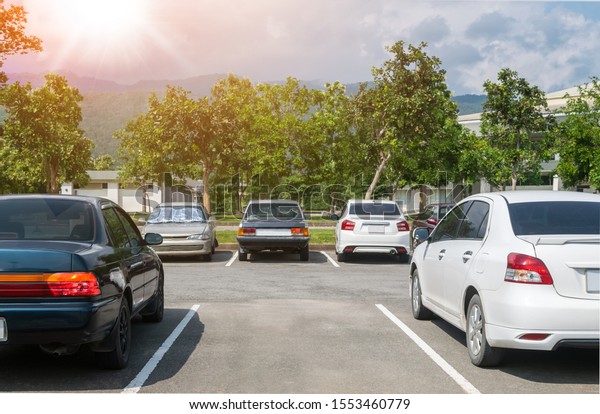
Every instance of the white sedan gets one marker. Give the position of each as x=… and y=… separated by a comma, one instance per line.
x=371, y=226
x=513, y=270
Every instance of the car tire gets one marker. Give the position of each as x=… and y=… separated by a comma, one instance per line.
x=157, y=303
x=480, y=352
x=341, y=257
x=403, y=258
x=119, y=356
x=419, y=311
x=242, y=256
x=304, y=254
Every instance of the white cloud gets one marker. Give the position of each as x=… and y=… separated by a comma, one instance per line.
x=553, y=45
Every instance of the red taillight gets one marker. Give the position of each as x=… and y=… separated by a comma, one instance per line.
x=348, y=225
x=66, y=284
x=246, y=232
x=402, y=225
x=534, y=336
x=522, y=268
x=300, y=231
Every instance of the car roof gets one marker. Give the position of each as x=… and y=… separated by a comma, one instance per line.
x=281, y=201
x=357, y=200
x=179, y=204
x=539, y=196
x=89, y=199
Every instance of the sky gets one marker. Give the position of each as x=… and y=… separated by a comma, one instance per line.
x=554, y=45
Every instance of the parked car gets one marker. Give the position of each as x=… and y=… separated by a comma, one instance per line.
x=274, y=225
x=429, y=218
x=513, y=270
x=371, y=226
x=74, y=271
x=186, y=228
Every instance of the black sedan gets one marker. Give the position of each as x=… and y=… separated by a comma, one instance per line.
x=74, y=271
x=275, y=225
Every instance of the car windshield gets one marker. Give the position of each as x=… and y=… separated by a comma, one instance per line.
x=273, y=211
x=555, y=217
x=45, y=219
x=368, y=209
x=176, y=214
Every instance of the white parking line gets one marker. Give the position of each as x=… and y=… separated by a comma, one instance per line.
x=441, y=362
x=333, y=262
x=230, y=262
x=138, y=382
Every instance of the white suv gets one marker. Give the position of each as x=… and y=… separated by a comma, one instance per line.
x=371, y=226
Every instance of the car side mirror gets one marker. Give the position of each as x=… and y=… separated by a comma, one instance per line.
x=420, y=235
x=212, y=219
x=152, y=239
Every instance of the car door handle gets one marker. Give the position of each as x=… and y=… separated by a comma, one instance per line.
x=467, y=256
x=136, y=265
x=441, y=254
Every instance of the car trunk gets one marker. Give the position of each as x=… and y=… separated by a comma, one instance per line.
x=573, y=262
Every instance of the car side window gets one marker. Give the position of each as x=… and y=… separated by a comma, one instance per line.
x=475, y=223
x=117, y=232
x=133, y=234
x=447, y=229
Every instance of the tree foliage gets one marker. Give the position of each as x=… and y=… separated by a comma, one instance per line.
x=405, y=110
x=578, y=138
x=515, y=130
x=13, y=39
x=42, y=137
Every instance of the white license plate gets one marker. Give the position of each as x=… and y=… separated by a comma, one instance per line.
x=376, y=229
x=273, y=232
x=593, y=280
x=3, y=330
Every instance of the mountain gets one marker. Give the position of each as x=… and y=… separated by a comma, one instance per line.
x=108, y=106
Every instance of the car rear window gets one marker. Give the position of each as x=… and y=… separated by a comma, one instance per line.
x=555, y=217
x=46, y=219
x=273, y=211
x=365, y=210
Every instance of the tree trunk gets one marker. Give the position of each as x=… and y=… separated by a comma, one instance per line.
x=205, y=187
x=52, y=185
x=384, y=159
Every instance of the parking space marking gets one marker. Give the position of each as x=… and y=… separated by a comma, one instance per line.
x=138, y=382
x=230, y=262
x=441, y=362
x=333, y=262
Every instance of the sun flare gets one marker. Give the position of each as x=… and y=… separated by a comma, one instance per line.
x=103, y=20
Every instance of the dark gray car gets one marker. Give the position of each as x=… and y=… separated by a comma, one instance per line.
x=274, y=225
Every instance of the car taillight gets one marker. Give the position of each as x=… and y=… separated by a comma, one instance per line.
x=67, y=284
x=246, y=232
x=348, y=225
x=300, y=231
x=522, y=268
x=402, y=225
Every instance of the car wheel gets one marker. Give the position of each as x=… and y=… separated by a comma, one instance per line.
x=304, y=253
x=403, y=258
x=341, y=257
x=157, y=304
x=418, y=310
x=243, y=256
x=119, y=356
x=480, y=352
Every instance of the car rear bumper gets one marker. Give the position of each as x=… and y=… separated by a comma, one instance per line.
x=65, y=323
x=373, y=244
x=258, y=243
x=539, y=310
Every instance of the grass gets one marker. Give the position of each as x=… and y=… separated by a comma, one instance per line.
x=317, y=236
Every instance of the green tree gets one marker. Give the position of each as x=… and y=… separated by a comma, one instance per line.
x=103, y=162
x=407, y=106
x=42, y=130
x=13, y=39
x=578, y=138
x=515, y=130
